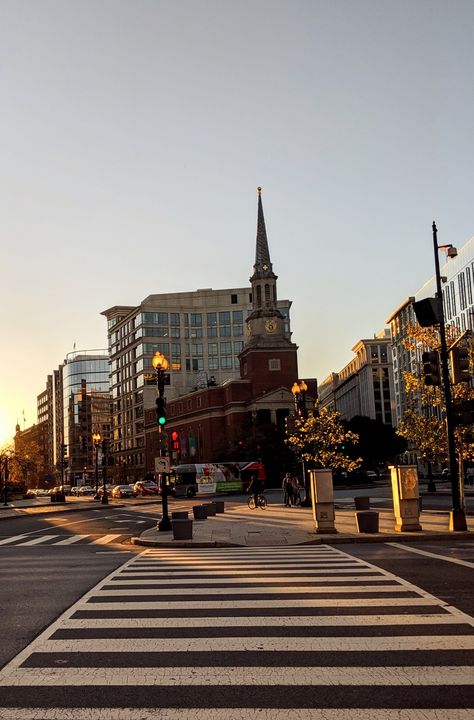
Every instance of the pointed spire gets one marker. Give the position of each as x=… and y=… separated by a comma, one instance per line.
x=262, y=254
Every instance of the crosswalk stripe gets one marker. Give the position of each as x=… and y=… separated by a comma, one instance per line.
x=265, y=590
x=240, y=713
x=253, y=604
x=7, y=541
x=105, y=539
x=293, y=676
x=255, y=644
x=72, y=539
x=39, y=540
x=265, y=621
x=189, y=572
x=187, y=582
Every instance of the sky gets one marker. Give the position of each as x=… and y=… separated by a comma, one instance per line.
x=133, y=135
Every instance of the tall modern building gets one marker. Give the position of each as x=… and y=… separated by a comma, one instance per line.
x=86, y=408
x=201, y=333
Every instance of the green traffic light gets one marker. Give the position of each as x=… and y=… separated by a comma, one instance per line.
x=162, y=420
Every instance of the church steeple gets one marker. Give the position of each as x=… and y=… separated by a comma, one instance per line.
x=265, y=320
x=262, y=254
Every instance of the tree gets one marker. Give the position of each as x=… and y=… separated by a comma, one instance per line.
x=323, y=441
x=423, y=424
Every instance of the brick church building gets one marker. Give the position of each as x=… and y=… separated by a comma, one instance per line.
x=209, y=424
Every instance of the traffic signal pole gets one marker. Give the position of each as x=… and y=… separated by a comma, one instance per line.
x=457, y=516
x=160, y=366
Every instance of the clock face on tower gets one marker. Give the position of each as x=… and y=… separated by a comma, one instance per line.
x=270, y=326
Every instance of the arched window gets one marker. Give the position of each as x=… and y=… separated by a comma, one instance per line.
x=259, y=296
x=267, y=294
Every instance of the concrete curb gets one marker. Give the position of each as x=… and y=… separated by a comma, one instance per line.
x=333, y=539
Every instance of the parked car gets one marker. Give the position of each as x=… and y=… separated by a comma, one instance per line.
x=145, y=488
x=121, y=491
x=31, y=493
x=85, y=490
x=108, y=486
x=41, y=492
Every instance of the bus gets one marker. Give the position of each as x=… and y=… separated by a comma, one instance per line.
x=210, y=478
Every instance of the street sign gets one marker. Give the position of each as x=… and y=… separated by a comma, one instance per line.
x=162, y=465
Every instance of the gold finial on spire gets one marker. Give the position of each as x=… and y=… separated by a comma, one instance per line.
x=259, y=190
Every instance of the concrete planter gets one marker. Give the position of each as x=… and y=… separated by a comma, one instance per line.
x=179, y=515
x=362, y=503
x=219, y=506
x=182, y=529
x=199, y=512
x=367, y=521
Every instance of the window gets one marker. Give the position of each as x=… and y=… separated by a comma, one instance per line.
x=196, y=319
x=224, y=318
x=212, y=318
x=174, y=318
x=194, y=332
x=225, y=331
x=453, y=298
x=274, y=364
x=213, y=363
x=174, y=332
x=238, y=346
x=462, y=290
x=237, y=317
x=175, y=349
x=159, y=318
x=226, y=362
x=226, y=348
x=233, y=299
x=237, y=330
x=469, y=286
x=196, y=349
x=212, y=331
x=212, y=349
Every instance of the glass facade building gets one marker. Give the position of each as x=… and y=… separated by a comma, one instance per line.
x=86, y=408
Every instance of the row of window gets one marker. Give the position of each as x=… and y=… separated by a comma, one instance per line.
x=190, y=332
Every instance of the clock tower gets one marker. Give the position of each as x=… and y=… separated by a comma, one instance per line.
x=268, y=358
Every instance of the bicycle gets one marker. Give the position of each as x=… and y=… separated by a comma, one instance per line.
x=262, y=501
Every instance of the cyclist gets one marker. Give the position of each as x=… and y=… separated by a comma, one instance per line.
x=255, y=488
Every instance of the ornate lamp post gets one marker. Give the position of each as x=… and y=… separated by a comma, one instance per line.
x=97, y=439
x=161, y=365
x=299, y=389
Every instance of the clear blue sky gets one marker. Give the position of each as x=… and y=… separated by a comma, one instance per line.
x=133, y=135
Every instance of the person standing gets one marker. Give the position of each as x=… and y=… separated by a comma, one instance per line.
x=287, y=487
x=296, y=491
x=255, y=488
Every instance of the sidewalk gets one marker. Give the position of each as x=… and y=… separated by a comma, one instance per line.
x=22, y=508
x=278, y=525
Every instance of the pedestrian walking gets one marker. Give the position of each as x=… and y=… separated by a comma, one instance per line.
x=255, y=488
x=287, y=487
x=296, y=491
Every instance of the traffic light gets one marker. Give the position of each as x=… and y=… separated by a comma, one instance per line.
x=63, y=450
x=463, y=412
x=431, y=368
x=175, y=440
x=160, y=411
x=105, y=447
x=460, y=371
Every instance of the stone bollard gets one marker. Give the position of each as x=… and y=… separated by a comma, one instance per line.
x=179, y=515
x=367, y=521
x=182, y=529
x=211, y=508
x=199, y=512
x=219, y=506
x=362, y=503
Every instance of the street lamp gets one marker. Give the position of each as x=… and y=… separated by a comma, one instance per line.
x=299, y=389
x=105, y=459
x=161, y=365
x=458, y=516
x=97, y=439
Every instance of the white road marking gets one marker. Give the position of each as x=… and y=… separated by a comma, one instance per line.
x=39, y=540
x=72, y=539
x=231, y=676
x=259, y=590
x=105, y=539
x=13, y=539
x=407, y=548
x=113, y=713
x=252, y=604
x=268, y=621
x=187, y=584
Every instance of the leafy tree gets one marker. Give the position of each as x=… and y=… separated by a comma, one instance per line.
x=323, y=441
x=423, y=424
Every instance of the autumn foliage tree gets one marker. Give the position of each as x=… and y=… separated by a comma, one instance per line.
x=322, y=440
